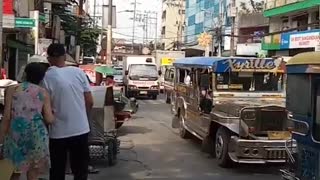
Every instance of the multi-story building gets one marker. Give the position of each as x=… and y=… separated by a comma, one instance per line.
x=294, y=27
x=173, y=18
x=203, y=16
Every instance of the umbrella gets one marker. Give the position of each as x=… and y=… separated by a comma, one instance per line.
x=107, y=70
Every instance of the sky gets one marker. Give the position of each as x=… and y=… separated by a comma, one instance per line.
x=125, y=24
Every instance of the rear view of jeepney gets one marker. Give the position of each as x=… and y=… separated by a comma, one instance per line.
x=250, y=104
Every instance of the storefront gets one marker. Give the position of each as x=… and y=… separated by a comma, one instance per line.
x=291, y=43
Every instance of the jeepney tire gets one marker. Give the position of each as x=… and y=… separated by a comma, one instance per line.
x=221, y=147
x=112, y=152
x=154, y=97
x=168, y=99
x=183, y=132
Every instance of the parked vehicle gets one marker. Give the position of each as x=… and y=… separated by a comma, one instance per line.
x=164, y=60
x=118, y=77
x=236, y=106
x=141, y=76
x=303, y=100
x=88, y=60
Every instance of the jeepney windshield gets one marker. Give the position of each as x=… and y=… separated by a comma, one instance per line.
x=143, y=70
x=249, y=81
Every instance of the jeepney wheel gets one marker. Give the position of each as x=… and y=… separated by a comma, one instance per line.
x=112, y=152
x=154, y=97
x=185, y=134
x=168, y=99
x=221, y=147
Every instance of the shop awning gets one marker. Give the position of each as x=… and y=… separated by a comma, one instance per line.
x=20, y=45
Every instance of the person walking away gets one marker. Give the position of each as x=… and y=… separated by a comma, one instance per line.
x=71, y=98
x=23, y=131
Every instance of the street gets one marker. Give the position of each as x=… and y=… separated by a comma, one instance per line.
x=151, y=149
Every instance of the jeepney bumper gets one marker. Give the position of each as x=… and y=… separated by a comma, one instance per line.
x=258, y=151
x=143, y=92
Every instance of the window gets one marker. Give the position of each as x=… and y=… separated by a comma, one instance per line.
x=183, y=76
x=163, y=30
x=316, y=121
x=298, y=85
x=182, y=11
x=243, y=81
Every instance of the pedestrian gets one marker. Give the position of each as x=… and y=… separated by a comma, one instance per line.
x=23, y=135
x=71, y=99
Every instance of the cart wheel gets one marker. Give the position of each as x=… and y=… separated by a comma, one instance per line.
x=112, y=153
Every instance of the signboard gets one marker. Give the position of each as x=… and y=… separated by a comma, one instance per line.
x=105, y=19
x=25, y=22
x=167, y=61
x=8, y=14
x=304, y=40
x=250, y=65
x=43, y=46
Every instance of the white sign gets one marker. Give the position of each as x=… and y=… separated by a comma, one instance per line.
x=43, y=46
x=305, y=40
x=8, y=21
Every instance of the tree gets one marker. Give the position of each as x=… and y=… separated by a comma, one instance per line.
x=256, y=7
x=85, y=32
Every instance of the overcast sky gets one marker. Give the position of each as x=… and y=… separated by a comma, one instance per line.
x=125, y=24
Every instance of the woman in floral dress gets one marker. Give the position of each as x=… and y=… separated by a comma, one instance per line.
x=23, y=131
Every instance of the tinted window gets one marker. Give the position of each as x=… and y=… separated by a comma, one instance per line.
x=298, y=94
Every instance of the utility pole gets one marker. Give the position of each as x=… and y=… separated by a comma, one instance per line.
x=219, y=31
x=80, y=13
x=180, y=25
x=156, y=33
x=109, y=33
x=134, y=23
x=233, y=14
x=1, y=34
x=94, y=13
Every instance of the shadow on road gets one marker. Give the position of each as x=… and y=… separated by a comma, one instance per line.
x=126, y=130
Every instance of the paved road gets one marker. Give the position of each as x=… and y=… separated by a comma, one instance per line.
x=151, y=149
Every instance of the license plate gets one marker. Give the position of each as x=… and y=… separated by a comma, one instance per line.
x=279, y=135
x=143, y=92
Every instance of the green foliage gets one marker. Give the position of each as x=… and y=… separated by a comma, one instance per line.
x=256, y=6
x=83, y=29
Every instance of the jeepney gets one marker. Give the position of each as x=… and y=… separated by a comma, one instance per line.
x=236, y=106
x=303, y=100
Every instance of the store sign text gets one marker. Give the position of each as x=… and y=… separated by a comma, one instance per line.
x=306, y=40
x=235, y=64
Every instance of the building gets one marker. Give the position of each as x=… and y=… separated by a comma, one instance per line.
x=294, y=27
x=173, y=18
x=251, y=28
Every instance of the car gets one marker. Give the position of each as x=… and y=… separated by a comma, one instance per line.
x=118, y=77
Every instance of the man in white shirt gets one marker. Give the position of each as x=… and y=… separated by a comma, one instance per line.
x=71, y=98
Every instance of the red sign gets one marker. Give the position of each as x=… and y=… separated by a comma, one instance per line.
x=8, y=7
x=89, y=70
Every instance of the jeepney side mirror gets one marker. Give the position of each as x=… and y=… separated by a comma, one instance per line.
x=126, y=73
x=205, y=81
x=159, y=72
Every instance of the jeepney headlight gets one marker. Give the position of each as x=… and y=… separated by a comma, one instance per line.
x=154, y=87
x=248, y=115
x=133, y=87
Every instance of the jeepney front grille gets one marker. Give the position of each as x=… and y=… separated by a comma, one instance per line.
x=144, y=88
x=276, y=154
x=271, y=120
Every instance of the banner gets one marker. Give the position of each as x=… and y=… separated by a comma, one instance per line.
x=167, y=61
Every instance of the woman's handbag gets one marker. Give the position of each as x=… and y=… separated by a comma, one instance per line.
x=6, y=169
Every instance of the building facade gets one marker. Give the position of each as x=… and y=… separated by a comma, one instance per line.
x=294, y=27
x=173, y=18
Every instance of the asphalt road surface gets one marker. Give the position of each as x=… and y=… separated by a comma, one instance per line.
x=151, y=149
